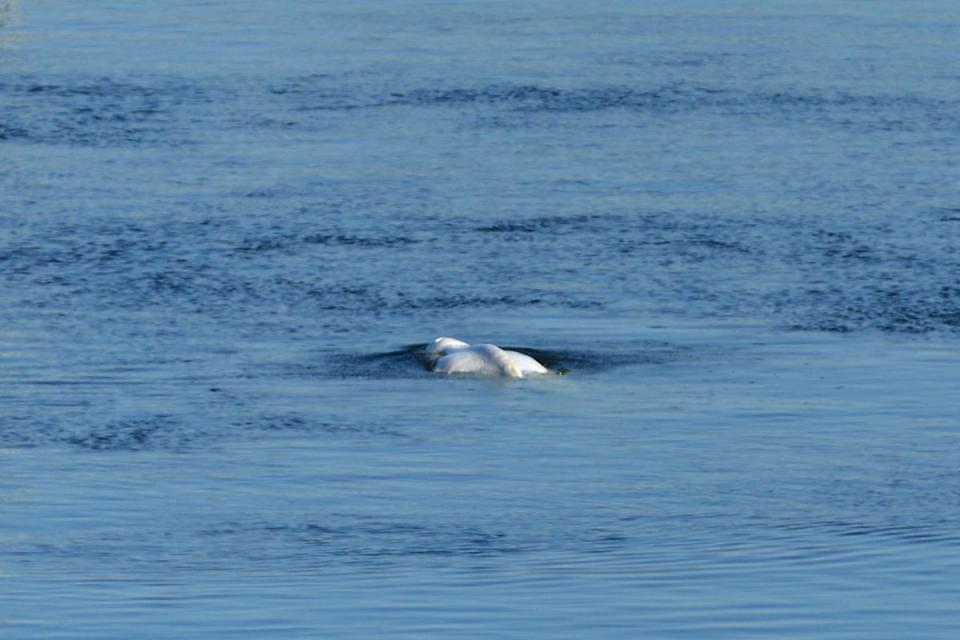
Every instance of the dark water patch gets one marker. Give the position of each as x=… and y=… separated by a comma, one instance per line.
x=940, y=532
x=882, y=277
x=690, y=60
x=841, y=245
x=104, y=87
x=290, y=423
x=688, y=248
x=455, y=301
x=862, y=111
x=80, y=247
x=149, y=276
x=179, y=433
x=156, y=432
x=533, y=98
x=21, y=431
x=321, y=93
x=949, y=214
x=153, y=432
x=316, y=542
x=509, y=227
x=358, y=241
x=290, y=242
x=311, y=544
x=354, y=540
x=154, y=111
x=844, y=278
x=300, y=85
x=101, y=111
x=8, y=132
x=328, y=92
x=587, y=361
x=894, y=308
x=721, y=245
x=406, y=362
x=563, y=224
x=358, y=540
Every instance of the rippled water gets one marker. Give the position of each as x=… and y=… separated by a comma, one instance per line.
x=227, y=228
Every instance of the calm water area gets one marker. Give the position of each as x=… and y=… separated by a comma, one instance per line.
x=227, y=229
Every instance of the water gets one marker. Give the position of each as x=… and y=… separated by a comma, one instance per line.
x=226, y=227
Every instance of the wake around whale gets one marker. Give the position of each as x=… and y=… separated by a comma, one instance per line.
x=449, y=355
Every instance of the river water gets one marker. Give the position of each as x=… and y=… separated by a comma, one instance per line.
x=226, y=228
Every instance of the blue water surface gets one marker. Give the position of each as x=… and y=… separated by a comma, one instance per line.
x=227, y=228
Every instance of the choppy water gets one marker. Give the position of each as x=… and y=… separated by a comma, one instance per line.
x=225, y=227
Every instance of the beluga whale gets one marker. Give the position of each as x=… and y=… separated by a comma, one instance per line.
x=449, y=355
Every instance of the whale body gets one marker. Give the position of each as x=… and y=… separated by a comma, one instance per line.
x=450, y=355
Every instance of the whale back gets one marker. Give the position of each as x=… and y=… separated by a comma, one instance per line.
x=525, y=363
x=446, y=345
x=481, y=358
x=499, y=359
x=449, y=355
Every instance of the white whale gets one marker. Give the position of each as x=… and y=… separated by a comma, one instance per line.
x=456, y=356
